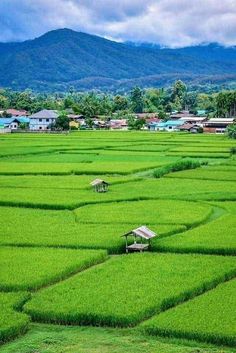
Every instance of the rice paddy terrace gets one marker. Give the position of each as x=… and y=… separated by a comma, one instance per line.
x=63, y=260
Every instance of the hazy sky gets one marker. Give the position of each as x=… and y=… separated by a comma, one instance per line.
x=173, y=23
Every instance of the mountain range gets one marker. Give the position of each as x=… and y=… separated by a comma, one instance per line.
x=63, y=58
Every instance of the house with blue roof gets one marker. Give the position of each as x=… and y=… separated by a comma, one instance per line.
x=154, y=126
x=169, y=125
x=173, y=125
x=201, y=112
x=14, y=122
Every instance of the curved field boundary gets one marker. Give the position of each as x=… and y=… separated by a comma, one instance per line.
x=102, y=302
x=203, y=240
x=37, y=267
x=206, y=317
x=12, y=322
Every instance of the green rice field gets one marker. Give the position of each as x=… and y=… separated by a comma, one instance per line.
x=130, y=298
x=66, y=282
x=206, y=317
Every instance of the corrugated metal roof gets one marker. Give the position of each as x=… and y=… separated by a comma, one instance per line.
x=97, y=182
x=193, y=118
x=21, y=119
x=45, y=113
x=168, y=123
x=6, y=120
x=16, y=112
x=174, y=122
x=221, y=121
x=142, y=232
x=14, y=118
x=186, y=126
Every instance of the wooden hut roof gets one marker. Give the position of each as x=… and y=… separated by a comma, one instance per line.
x=98, y=182
x=142, y=232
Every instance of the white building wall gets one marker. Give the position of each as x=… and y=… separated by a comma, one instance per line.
x=40, y=124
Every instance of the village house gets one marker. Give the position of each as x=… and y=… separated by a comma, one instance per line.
x=151, y=121
x=42, y=120
x=193, y=128
x=146, y=116
x=173, y=125
x=100, y=124
x=3, y=128
x=198, y=120
x=156, y=126
x=185, y=115
x=76, y=120
x=17, y=113
x=120, y=124
x=170, y=125
x=217, y=125
x=201, y=112
x=13, y=123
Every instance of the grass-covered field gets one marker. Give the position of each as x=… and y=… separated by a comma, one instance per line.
x=12, y=323
x=207, y=173
x=62, y=229
x=146, y=212
x=69, y=339
x=128, y=289
x=32, y=268
x=61, y=242
x=208, y=317
x=86, y=167
x=163, y=188
x=215, y=237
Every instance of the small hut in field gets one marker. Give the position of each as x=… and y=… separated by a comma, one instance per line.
x=141, y=239
x=99, y=185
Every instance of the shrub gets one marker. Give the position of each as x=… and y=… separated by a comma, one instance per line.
x=233, y=150
x=180, y=165
x=231, y=131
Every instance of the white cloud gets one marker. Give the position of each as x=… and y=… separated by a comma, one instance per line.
x=171, y=23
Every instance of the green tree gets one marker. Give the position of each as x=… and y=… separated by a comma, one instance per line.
x=231, y=131
x=162, y=114
x=23, y=126
x=62, y=122
x=178, y=95
x=177, y=104
x=105, y=106
x=89, y=105
x=191, y=100
x=4, y=103
x=226, y=104
x=134, y=123
x=120, y=103
x=206, y=102
x=154, y=98
x=137, y=100
x=68, y=102
x=24, y=100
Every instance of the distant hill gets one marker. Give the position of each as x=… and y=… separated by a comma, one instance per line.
x=63, y=58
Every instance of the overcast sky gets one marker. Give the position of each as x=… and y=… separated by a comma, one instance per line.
x=173, y=23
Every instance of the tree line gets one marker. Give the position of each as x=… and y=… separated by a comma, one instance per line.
x=161, y=101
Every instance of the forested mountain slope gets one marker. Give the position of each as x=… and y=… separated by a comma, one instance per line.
x=63, y=58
